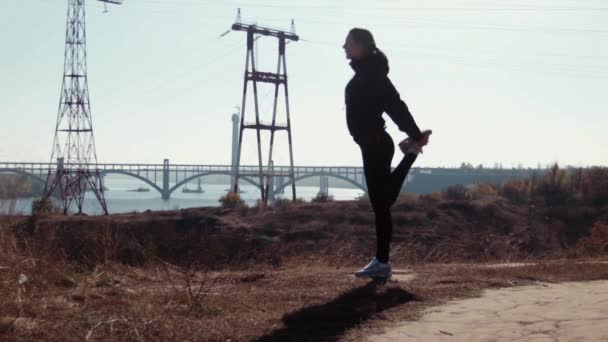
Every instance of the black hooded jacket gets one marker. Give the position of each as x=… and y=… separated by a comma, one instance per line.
x=368, y=95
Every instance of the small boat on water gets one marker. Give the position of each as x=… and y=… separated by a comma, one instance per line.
x=193, y=191
x=198, y=190
x=240, y=191
x=140, y=190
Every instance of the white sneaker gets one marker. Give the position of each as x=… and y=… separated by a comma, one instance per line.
x=375, y=269
x=410, y=146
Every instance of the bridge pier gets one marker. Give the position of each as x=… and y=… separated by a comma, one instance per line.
x=58, y=192
x=166, y=195
x=280, y=184
x=102, y=182
x=324, y=186
x=235, y=149
x=271, y=187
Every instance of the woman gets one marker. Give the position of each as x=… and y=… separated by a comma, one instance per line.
x=369, y=94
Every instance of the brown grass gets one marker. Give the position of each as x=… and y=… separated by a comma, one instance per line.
x=298, y=303
x=596, y=243
x=281, y=273
x=426, y=229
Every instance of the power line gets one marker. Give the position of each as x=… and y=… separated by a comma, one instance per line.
x=394, y=18
x=189, y=71
x=597, y=72
x=350, y=7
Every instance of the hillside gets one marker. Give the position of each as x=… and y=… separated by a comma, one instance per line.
x=285, y=272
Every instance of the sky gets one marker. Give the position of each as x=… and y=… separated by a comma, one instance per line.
x=520, y=83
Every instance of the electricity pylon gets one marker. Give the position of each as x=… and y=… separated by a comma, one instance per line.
x=277, y=79
x=74, y=143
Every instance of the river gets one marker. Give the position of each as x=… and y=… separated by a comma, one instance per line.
x=120, y=198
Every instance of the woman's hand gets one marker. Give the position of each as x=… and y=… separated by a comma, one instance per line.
x=424, y=140
x=415, y=146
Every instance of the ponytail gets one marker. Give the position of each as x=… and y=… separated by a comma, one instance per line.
x=379, y=52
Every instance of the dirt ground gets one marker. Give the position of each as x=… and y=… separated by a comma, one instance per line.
x=290, y=302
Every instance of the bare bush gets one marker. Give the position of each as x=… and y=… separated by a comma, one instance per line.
x=554, y=188
x=597, y=243
x=190, y=285
x=284, y=203
x=44, y=206
x=594, y=186
x=484, y=190
x=435, y=196
x=322, y=198
x=408, y=198
x=457, y=193
x=8, y=244
x=231, y=200
x=516, y=190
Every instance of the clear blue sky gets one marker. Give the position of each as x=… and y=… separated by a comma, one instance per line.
x=511, y=82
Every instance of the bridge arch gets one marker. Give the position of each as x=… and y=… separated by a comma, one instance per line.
x=25, y=173
x=134, y=175
x=210, y=173
x=321, y=174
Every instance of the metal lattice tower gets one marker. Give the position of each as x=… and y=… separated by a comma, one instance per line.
x=277, y=79
x=74, y=143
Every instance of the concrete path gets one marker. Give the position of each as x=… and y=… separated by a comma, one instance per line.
x=576, y=311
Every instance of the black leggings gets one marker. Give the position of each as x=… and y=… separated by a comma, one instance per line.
x=383, y=186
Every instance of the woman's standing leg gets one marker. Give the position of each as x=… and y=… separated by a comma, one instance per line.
x=377, y=158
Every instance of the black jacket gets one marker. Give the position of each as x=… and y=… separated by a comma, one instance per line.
x=368, y=95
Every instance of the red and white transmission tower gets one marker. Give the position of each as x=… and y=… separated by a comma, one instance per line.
x=74, y=143
x=276, y=79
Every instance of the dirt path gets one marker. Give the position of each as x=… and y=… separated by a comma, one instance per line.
x=575, y=311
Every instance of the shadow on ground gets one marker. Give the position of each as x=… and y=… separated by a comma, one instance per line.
x=329, y=321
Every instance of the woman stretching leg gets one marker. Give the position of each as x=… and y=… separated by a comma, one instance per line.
x=369, y=94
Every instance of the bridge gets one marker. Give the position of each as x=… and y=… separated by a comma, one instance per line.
x=166, y=178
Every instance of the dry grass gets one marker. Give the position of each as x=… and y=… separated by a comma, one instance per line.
x=296, y=303
x=596, y=243
x=283, y=273
x=231, y=200
x=425, y=230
